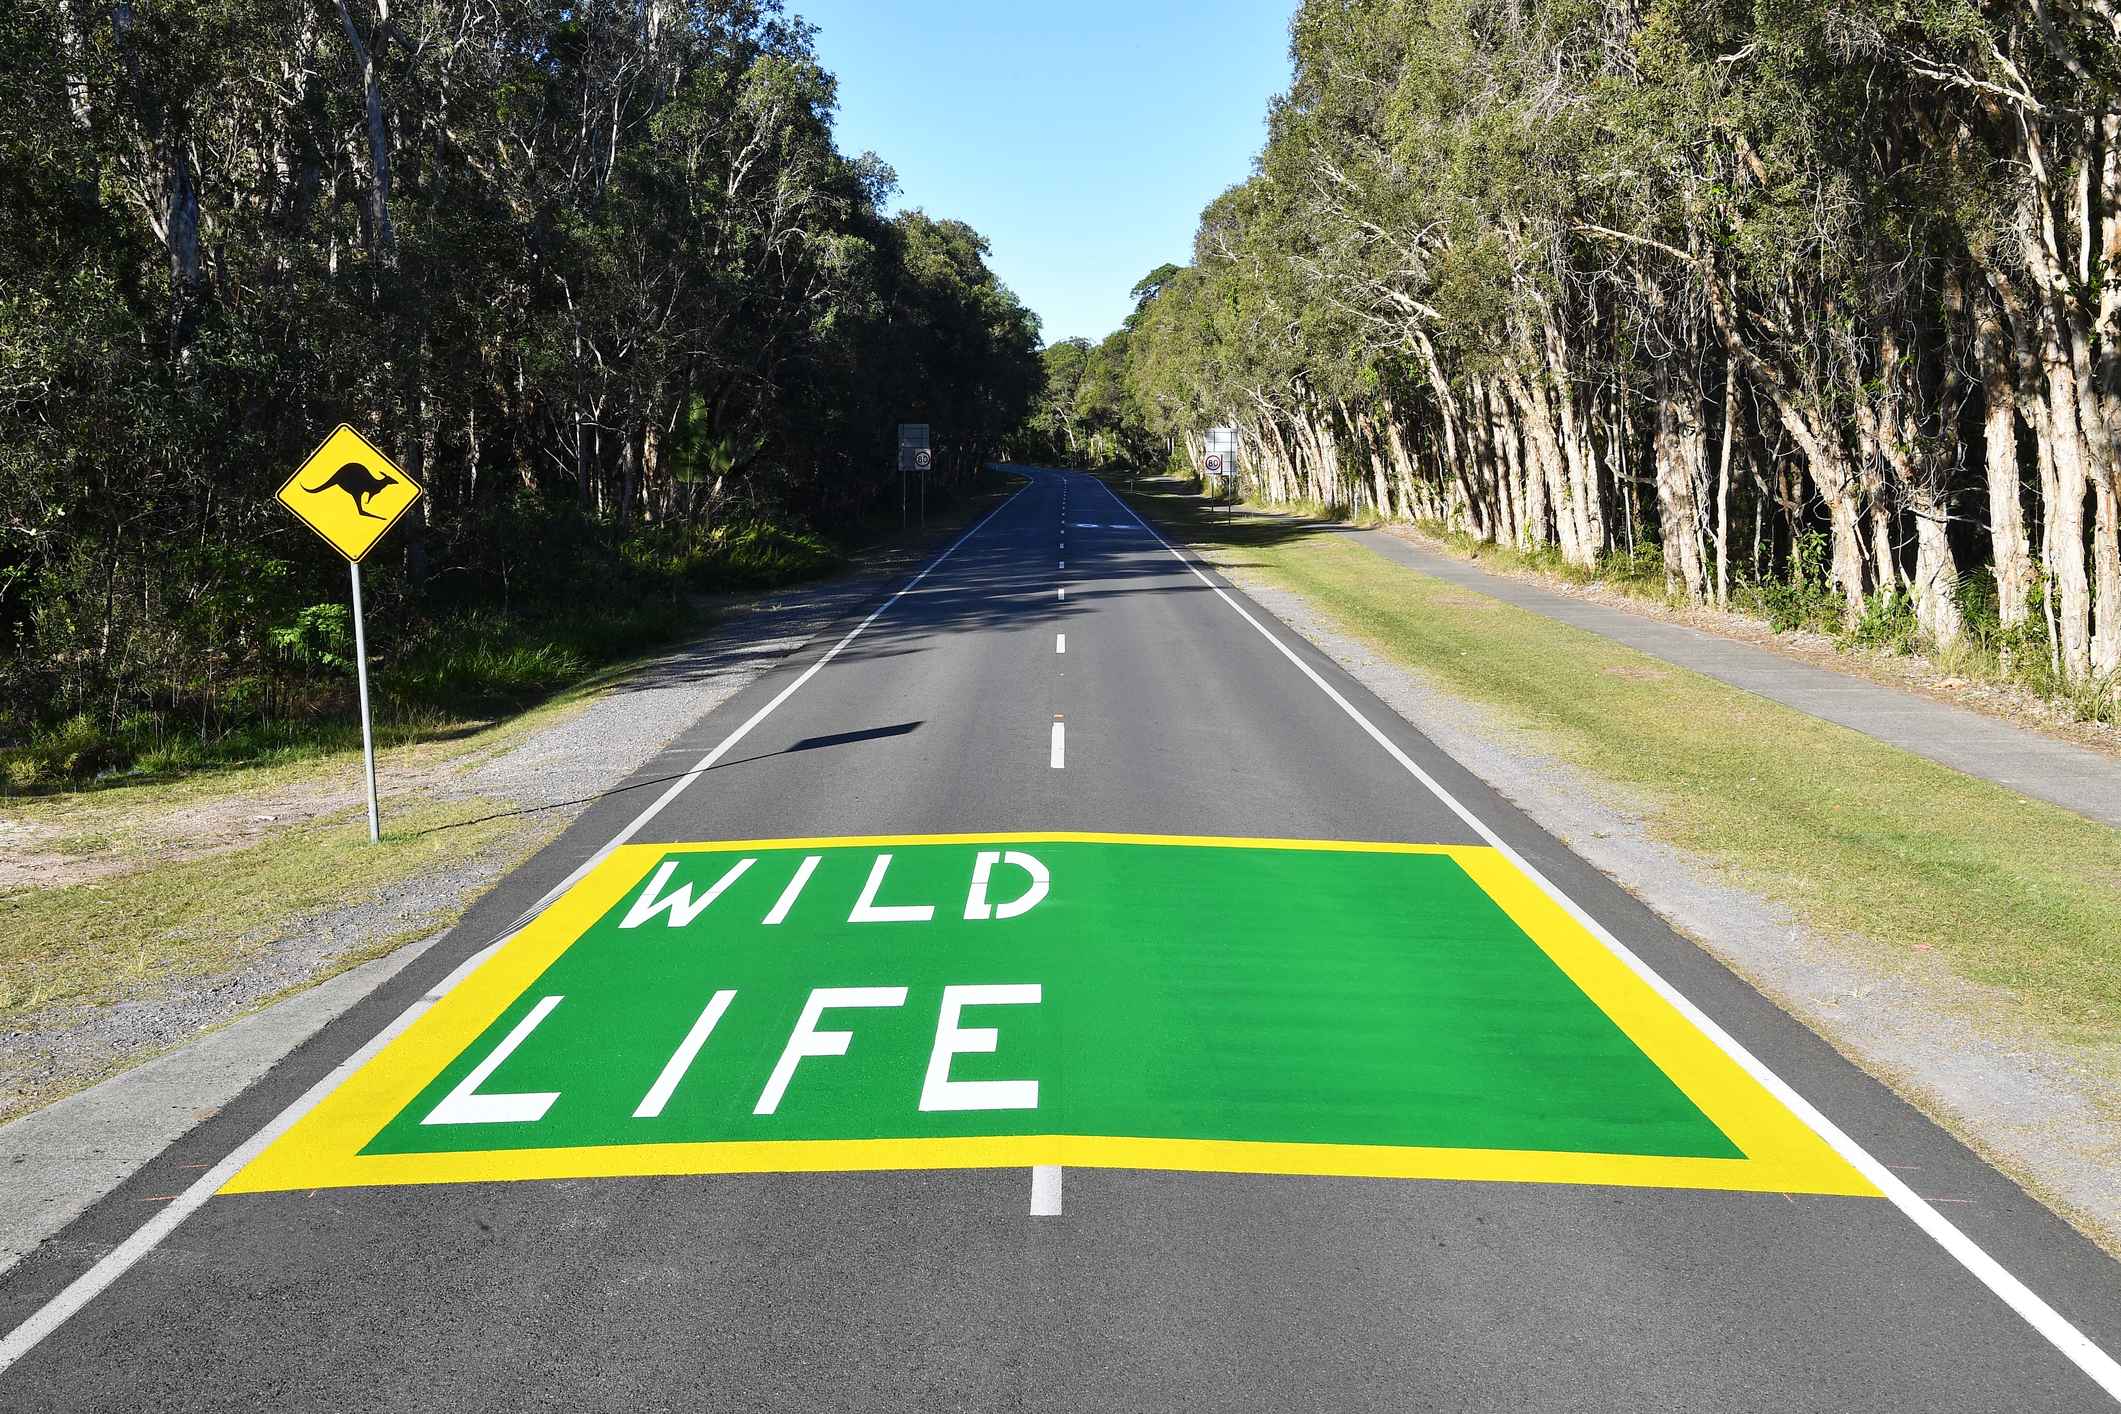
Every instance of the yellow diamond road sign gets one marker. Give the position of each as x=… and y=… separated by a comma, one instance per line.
x=349, y=493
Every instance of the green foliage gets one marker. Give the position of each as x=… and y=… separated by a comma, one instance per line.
x=628, y=313
x=1088, y=414
x=483, y=663
x=1803, y=599
x=1888, y=622
x=320, y=635
x=750, y=555
x=1651, y=274
x=1640, y=571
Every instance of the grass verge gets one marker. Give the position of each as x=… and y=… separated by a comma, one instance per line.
x=175, y=932
x=1858, y=838
x=132, y=937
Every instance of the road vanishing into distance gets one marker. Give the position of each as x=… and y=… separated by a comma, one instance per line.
x=1059, y=987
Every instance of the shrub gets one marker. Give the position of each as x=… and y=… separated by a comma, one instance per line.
x=1639, y=571
x=1804, y=600
x=1888, y=622
x=746, y=555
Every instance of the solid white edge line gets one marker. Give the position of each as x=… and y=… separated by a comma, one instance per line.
x=144, y=1239
x=1060, y=746
x=1045, y=1190
x=2078, y=1347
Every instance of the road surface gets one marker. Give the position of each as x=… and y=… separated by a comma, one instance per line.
x=974, y=1013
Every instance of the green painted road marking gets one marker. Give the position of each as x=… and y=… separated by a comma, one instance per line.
x=1283, y=1006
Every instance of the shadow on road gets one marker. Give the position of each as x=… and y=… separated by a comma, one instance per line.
x=813, y=743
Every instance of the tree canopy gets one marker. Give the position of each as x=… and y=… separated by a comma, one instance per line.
x=597, y=275
x=1814, y=299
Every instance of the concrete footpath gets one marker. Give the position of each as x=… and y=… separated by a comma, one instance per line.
x=2027, y=762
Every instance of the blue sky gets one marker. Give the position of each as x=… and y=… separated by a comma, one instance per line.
x=1081, y=138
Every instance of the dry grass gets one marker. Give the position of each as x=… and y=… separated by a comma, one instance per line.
x=139, y=935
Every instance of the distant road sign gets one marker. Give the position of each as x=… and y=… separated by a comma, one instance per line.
x=921, y=458
x=1215, y=463
x=912, y=441
x=349, y=493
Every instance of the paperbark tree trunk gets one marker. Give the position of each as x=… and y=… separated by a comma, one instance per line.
x=1723, y=483
x=2008, y=544
x=1681, y=463
x=1583, y=501
x=1549, y=463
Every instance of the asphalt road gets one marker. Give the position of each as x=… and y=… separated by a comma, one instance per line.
x=939, y=1289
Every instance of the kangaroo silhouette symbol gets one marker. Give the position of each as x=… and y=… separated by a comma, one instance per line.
x=358, y=482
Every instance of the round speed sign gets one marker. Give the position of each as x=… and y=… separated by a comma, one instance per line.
x=1215, y=461
x=921, y=459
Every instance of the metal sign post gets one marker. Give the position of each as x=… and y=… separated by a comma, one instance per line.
x=351, y=495
x=368, y=740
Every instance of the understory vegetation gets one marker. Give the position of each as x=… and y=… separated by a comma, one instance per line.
x=597, y=277
x=1810, y=309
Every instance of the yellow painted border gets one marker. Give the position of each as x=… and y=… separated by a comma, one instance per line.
x=323, y=1148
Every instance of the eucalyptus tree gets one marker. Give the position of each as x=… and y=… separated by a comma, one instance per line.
x=1678, y=275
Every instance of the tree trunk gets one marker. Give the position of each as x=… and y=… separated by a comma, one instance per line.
x=2106, y=564
x=1583, y=501
x=383, y=239
x=2008, y=543
x=1723, y=483
x=1682, y=455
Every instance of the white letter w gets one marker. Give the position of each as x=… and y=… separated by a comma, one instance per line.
x=679, y=906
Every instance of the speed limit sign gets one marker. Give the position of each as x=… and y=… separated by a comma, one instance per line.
x=922, y=458
x=1215, y=462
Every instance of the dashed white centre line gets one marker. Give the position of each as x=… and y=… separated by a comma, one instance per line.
x=1060, y=745
x=1064, y=591
x=1045, y=1190
x=1060, y=642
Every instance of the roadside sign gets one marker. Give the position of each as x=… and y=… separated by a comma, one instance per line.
x=1221, y=461
x=1098, y=1000
x=912, y=440
x=912, y=456
x=349, y=493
